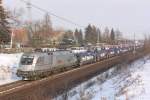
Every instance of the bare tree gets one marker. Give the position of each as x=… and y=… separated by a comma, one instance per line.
x=106, y=35
x=47, y=27
x=18, y=33
x=41, y=31
x=118, y=34
x=15, y=17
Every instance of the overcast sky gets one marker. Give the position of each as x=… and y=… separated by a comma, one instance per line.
x=129, y=16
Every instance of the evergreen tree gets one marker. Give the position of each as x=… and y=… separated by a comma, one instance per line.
x=68, y=38
x=4, y=28
x=112, y=35
x=78, y=36
x=88, y=32
x=91, y=34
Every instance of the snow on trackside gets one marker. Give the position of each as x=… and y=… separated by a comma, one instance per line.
x=8, y=66
x=125, y=82
x=130, y=84
x=144, y=87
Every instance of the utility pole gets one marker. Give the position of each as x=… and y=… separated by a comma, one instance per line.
x=28, y=4
x=98, y=37
x=12, y=36
x=29, y=19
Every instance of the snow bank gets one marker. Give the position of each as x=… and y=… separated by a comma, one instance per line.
x=131, y=84
x=11, y=60
x=125, y=82
x=8, y=66
x=143, y=89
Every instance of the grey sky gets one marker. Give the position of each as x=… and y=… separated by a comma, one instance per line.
x=129, y=16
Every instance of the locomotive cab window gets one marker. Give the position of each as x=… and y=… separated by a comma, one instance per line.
x=27, y=60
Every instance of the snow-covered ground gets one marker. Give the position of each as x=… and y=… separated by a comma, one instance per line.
x=123, y=82
x=8, y=66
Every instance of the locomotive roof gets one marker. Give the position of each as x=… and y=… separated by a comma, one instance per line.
x=45, y=53
x=34, y=54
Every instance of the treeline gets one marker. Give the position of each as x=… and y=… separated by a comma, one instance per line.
x=40, y=32
x=4, y=26
x=37, y=33
x=93, y=35
x=147, y=42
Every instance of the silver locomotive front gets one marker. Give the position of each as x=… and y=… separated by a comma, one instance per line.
x=27, y=65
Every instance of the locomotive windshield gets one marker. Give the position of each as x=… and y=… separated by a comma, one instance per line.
x=27, y=60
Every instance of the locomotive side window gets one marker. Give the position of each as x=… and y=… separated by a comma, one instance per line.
x=40, y=61
x=27, y=60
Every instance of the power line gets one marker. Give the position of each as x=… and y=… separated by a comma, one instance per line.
x=29, y=10
x=59, y=17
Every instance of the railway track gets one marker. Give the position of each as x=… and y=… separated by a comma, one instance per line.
x=7, y=87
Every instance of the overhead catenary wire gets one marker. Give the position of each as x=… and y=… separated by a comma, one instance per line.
x=51, y=13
